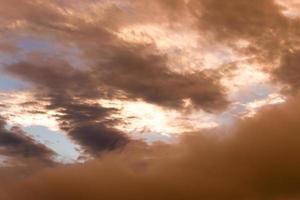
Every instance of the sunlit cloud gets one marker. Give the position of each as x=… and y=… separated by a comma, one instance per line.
x=272, y=99
x=149, y=99
x=21, y=108
x=140, y=119
x=243, y=78
x=191, y=51
x=291, y=8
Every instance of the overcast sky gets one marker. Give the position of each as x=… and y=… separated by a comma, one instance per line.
x=149, y=84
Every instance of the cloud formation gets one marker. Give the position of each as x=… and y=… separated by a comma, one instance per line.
x=270, y=36
x=66, y=89
x=256, y=158
x=259, y=160
x=114, y=68
x=147, y=76
x=288, y=71
x=16, y=144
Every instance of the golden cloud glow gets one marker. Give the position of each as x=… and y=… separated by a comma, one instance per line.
x=254, y=106
x=22, y=109
x=189, y=53
x=142, y=118
x=291, y=8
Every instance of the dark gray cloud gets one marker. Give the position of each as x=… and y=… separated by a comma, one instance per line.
x=145, y=75
x=90, y=125
x=56, y=77
x=136, y=71
x=15, y=143
x=67, y=89
x=116, y=66
x=98, y=137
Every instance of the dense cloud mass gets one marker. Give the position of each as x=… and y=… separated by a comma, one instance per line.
x=260, y=22
x=288, y=72
x=138, y=71
x=259, y=160
x=98, y=67
x=67, y=88
x=268, y=32
x=147, y=77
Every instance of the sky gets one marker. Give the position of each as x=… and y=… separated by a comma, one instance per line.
x=174, y=99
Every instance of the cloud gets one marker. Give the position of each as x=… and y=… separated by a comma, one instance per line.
x=7, y=47
x=269, y=35
x=58, y=77
x=146, y=75
x=138, y=74
x=15, y=143
x=66, y=89
x=90, y=125
x=259, y=22
x=258, y=160
x=112, y=56
x=288, y=71
x=240, y=19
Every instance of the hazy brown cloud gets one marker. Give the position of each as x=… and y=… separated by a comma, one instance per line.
x=56, y=77
x=8, y=47
x=266, y=31
x=139, y=74
x=288, y=71
x=146, y=76
x=240, y=19
x=16, y=144
x=270, y=35
x=113, y=56
x=260, y=22
x=258, y=161
x=37, y=13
